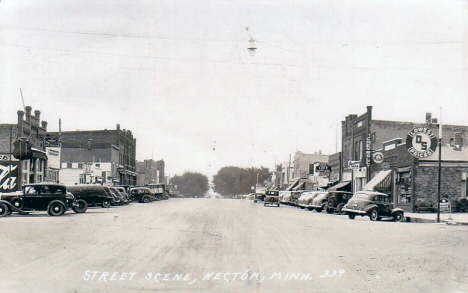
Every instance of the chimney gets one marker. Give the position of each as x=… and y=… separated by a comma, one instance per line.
x=44, y=125
x=20, y=122
x=28, y=113
x=37, y=113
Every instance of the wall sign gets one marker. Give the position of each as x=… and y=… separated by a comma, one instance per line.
x=378, y=157
x=421, y=142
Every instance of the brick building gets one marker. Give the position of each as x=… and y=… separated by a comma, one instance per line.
x=150, y=171
x=97, y=156
x=14, y=172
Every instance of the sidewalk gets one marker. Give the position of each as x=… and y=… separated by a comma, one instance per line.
x=454, y=218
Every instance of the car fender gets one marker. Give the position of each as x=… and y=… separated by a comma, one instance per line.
x=397, y=210
x=370, y=207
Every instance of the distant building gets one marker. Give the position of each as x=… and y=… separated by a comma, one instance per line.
x=150, y=171
x=14, y=173
x=97, y=156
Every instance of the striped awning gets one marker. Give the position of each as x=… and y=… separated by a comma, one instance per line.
x=381, y=180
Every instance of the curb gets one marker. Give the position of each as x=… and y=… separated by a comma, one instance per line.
x=421, y=220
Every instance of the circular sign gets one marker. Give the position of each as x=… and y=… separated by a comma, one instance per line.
x=377, y=157
x=421, y=142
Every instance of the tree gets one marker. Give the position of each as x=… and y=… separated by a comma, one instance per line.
x=192, y=183
x=231, y=180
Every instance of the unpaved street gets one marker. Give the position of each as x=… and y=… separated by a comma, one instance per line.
x=216, y=245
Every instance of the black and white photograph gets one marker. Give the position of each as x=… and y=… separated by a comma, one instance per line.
x=233, y=146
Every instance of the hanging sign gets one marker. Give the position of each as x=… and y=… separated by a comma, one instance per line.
x=421, y=142
x=377, y=157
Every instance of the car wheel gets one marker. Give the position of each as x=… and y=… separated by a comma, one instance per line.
x=146, y=199
x=106, y=203
x=3, y=210
x=329, y=210
x=331, y=203
x=374, y=215
x=398, y=216
x=277, y=205
x=339, y=209
x=56, y=209
x=17, y=203
x=81, y=206
x=351, y=216
x=319, y=210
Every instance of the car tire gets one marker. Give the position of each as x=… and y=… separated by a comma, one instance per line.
x=56, y=209
x=3, y=210
x=319, y=210
x=351, y=216
x=81, y=207
x=329, y=210
x=146, y=199
x=106, y=203
x=398, y=216
x=331, y=203
x=277, y=205
x=17, y=203
x=374, y=215
x=339, y=208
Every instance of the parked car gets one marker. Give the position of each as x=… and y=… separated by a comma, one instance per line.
x=337, y=200
x=142, y=194
x=115, y=197
x=93, y=194
x=462, y=204
x=122, y=199
x=320, y=202
x=295, y=195
x=306, y=198
x=259, y=197
x=50, y=197
x=124, y=193
x=374, y=204
x=272, y=198
x=284, y=197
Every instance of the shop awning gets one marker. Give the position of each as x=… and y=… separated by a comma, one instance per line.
x=299, y=187
x=381, y=180
x=290, y=187
x=342, y=186
x=36, y=153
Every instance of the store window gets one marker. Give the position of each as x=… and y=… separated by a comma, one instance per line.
x=69, y=165
x=403, y=183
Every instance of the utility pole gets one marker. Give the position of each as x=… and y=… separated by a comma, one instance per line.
x=439, y=145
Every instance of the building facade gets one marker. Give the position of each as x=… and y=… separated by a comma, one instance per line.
x=97, y=156
x=30, y=166
x=150, y=171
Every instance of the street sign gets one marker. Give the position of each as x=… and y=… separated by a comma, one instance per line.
x=378, y=157
x=421, y=142
x=354, y=165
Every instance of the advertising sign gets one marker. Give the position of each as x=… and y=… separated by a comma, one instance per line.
x=322, y=168
x=8, y=176
x=421, y=142
x=378, y=157
x=368, y=150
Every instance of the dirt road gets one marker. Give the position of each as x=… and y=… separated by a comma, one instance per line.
x=216, y=245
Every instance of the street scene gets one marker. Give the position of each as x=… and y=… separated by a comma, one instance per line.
x=218, y=245
x=233, y=146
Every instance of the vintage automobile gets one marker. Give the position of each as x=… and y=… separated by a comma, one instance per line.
x=142, y=194
x=337, y=200
x=92, y=194
x=259, y=197
x=374, y=204
x=295, y=195
x=115, y=197
x=50, y=197
x=124, y=193
x=320, y=202
x=462, y=204
x=272, y=198
x=122, y=199
x=284, y=196
x=306, y=198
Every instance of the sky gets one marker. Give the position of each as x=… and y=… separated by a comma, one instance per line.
x=178, y=73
